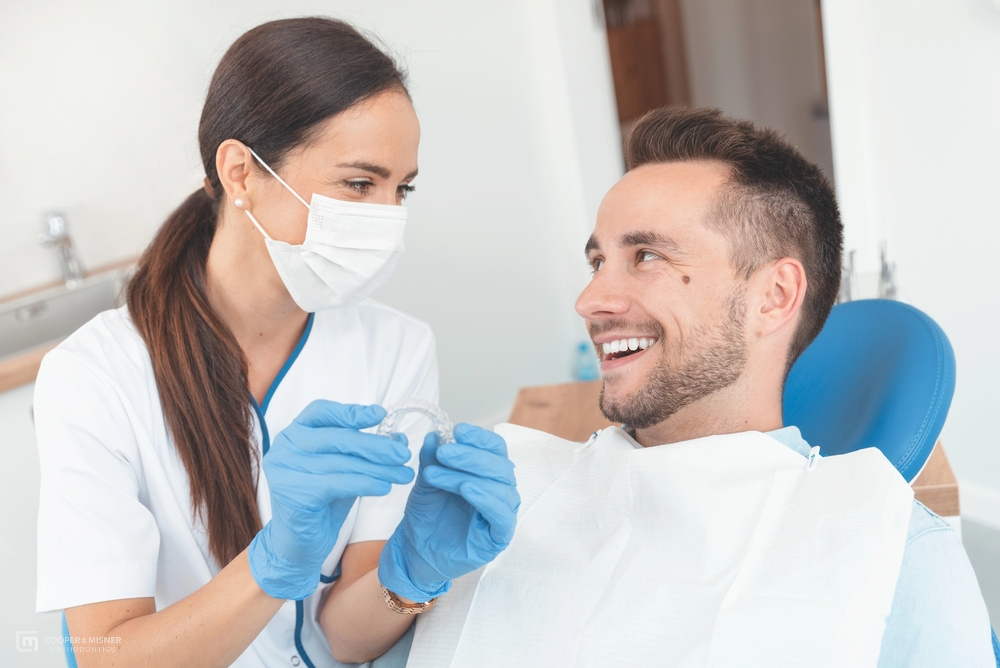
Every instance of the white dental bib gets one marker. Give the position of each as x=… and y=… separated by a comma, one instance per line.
x=728, y=550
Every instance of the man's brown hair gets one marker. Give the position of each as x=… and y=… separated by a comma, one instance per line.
x=777, y=204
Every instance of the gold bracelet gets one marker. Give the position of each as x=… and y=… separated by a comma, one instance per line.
x=401, y=608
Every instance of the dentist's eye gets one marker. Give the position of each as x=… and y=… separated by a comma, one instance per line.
x=360, y=186
x=405, y=190
x=596, y=264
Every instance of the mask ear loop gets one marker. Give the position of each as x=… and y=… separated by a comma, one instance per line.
x=282, y=182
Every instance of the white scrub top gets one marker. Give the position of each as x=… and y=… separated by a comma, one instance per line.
x=115, y=518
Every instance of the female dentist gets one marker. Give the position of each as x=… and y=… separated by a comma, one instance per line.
x=204, y=500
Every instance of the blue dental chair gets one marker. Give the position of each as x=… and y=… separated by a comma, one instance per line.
x=880, y=374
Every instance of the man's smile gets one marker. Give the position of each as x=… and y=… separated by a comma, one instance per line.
x=626, y=346
x=621, y=350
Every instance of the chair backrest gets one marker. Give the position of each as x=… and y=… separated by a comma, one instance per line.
x=880, y=374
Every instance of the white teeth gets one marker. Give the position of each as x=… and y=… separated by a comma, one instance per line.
x=624, y=345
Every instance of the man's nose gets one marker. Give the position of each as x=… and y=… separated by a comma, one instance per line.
x=604, y=296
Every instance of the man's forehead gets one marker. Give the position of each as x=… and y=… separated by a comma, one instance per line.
x=689, y=183
x=661, y=200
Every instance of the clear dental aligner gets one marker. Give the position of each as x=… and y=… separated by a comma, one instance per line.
x=396, y=412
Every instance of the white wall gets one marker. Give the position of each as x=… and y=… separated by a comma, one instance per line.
x=915, y=106
x=760, y=60
x=98, y=115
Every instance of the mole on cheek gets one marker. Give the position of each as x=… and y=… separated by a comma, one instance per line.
x=686, y=279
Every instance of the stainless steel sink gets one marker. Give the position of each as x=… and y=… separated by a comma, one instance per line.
x=53, y=314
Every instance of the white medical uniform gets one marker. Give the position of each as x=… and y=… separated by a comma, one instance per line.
x=115, y=518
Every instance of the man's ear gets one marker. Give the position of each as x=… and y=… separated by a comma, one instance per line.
x=783, y=288
x=233, y=162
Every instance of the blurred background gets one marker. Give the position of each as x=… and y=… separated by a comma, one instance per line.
x=523, y=105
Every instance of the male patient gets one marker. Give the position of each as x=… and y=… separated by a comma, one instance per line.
x=704, y=531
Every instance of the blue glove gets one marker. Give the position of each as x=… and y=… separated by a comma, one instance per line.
x=459, y=516
x=316, y=469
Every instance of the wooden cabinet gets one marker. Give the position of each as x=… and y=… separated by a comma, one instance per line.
x=648, y=60
x=637, y=68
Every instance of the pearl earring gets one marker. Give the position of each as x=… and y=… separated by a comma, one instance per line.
x=238, y=203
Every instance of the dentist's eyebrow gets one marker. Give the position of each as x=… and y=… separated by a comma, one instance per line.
x=377, y=170
x=592, y=244
x=368, y=167
x=650, y=238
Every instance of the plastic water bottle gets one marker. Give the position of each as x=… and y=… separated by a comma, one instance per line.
x=585, y=363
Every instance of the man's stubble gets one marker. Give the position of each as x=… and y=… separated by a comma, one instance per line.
x=712, y=358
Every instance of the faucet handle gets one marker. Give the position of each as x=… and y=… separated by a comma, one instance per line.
x=55, y=223
x=58, y=237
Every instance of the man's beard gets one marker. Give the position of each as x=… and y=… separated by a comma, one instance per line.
x=716, y=363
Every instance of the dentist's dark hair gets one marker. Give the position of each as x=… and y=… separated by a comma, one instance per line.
x=272, y=91
x=777, y=204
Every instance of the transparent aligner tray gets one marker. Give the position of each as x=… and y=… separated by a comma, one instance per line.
x=396, y=412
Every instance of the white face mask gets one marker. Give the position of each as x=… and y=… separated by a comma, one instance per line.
x=351, y=249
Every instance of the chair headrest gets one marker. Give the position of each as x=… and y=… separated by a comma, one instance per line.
x=880, y=374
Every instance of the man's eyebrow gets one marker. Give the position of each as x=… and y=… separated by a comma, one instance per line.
x=592, y=244
x=649, y=238
x=378, y=170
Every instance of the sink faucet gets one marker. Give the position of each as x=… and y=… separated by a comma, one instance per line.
x=58, y=237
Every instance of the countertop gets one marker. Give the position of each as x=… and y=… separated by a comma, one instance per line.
x=22, y=368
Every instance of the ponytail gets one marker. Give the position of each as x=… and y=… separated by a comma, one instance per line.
x=201, y=375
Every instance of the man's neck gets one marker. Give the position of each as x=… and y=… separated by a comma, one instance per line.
x=729, y=411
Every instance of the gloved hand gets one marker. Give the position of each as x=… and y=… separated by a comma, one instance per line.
x=316, y=469
x=460, y=514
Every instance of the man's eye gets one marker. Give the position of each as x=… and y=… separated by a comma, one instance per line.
x=596, y=264
x=405, y=190
x=646, y=256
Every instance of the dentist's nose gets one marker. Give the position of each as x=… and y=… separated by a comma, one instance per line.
x=603, y=297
